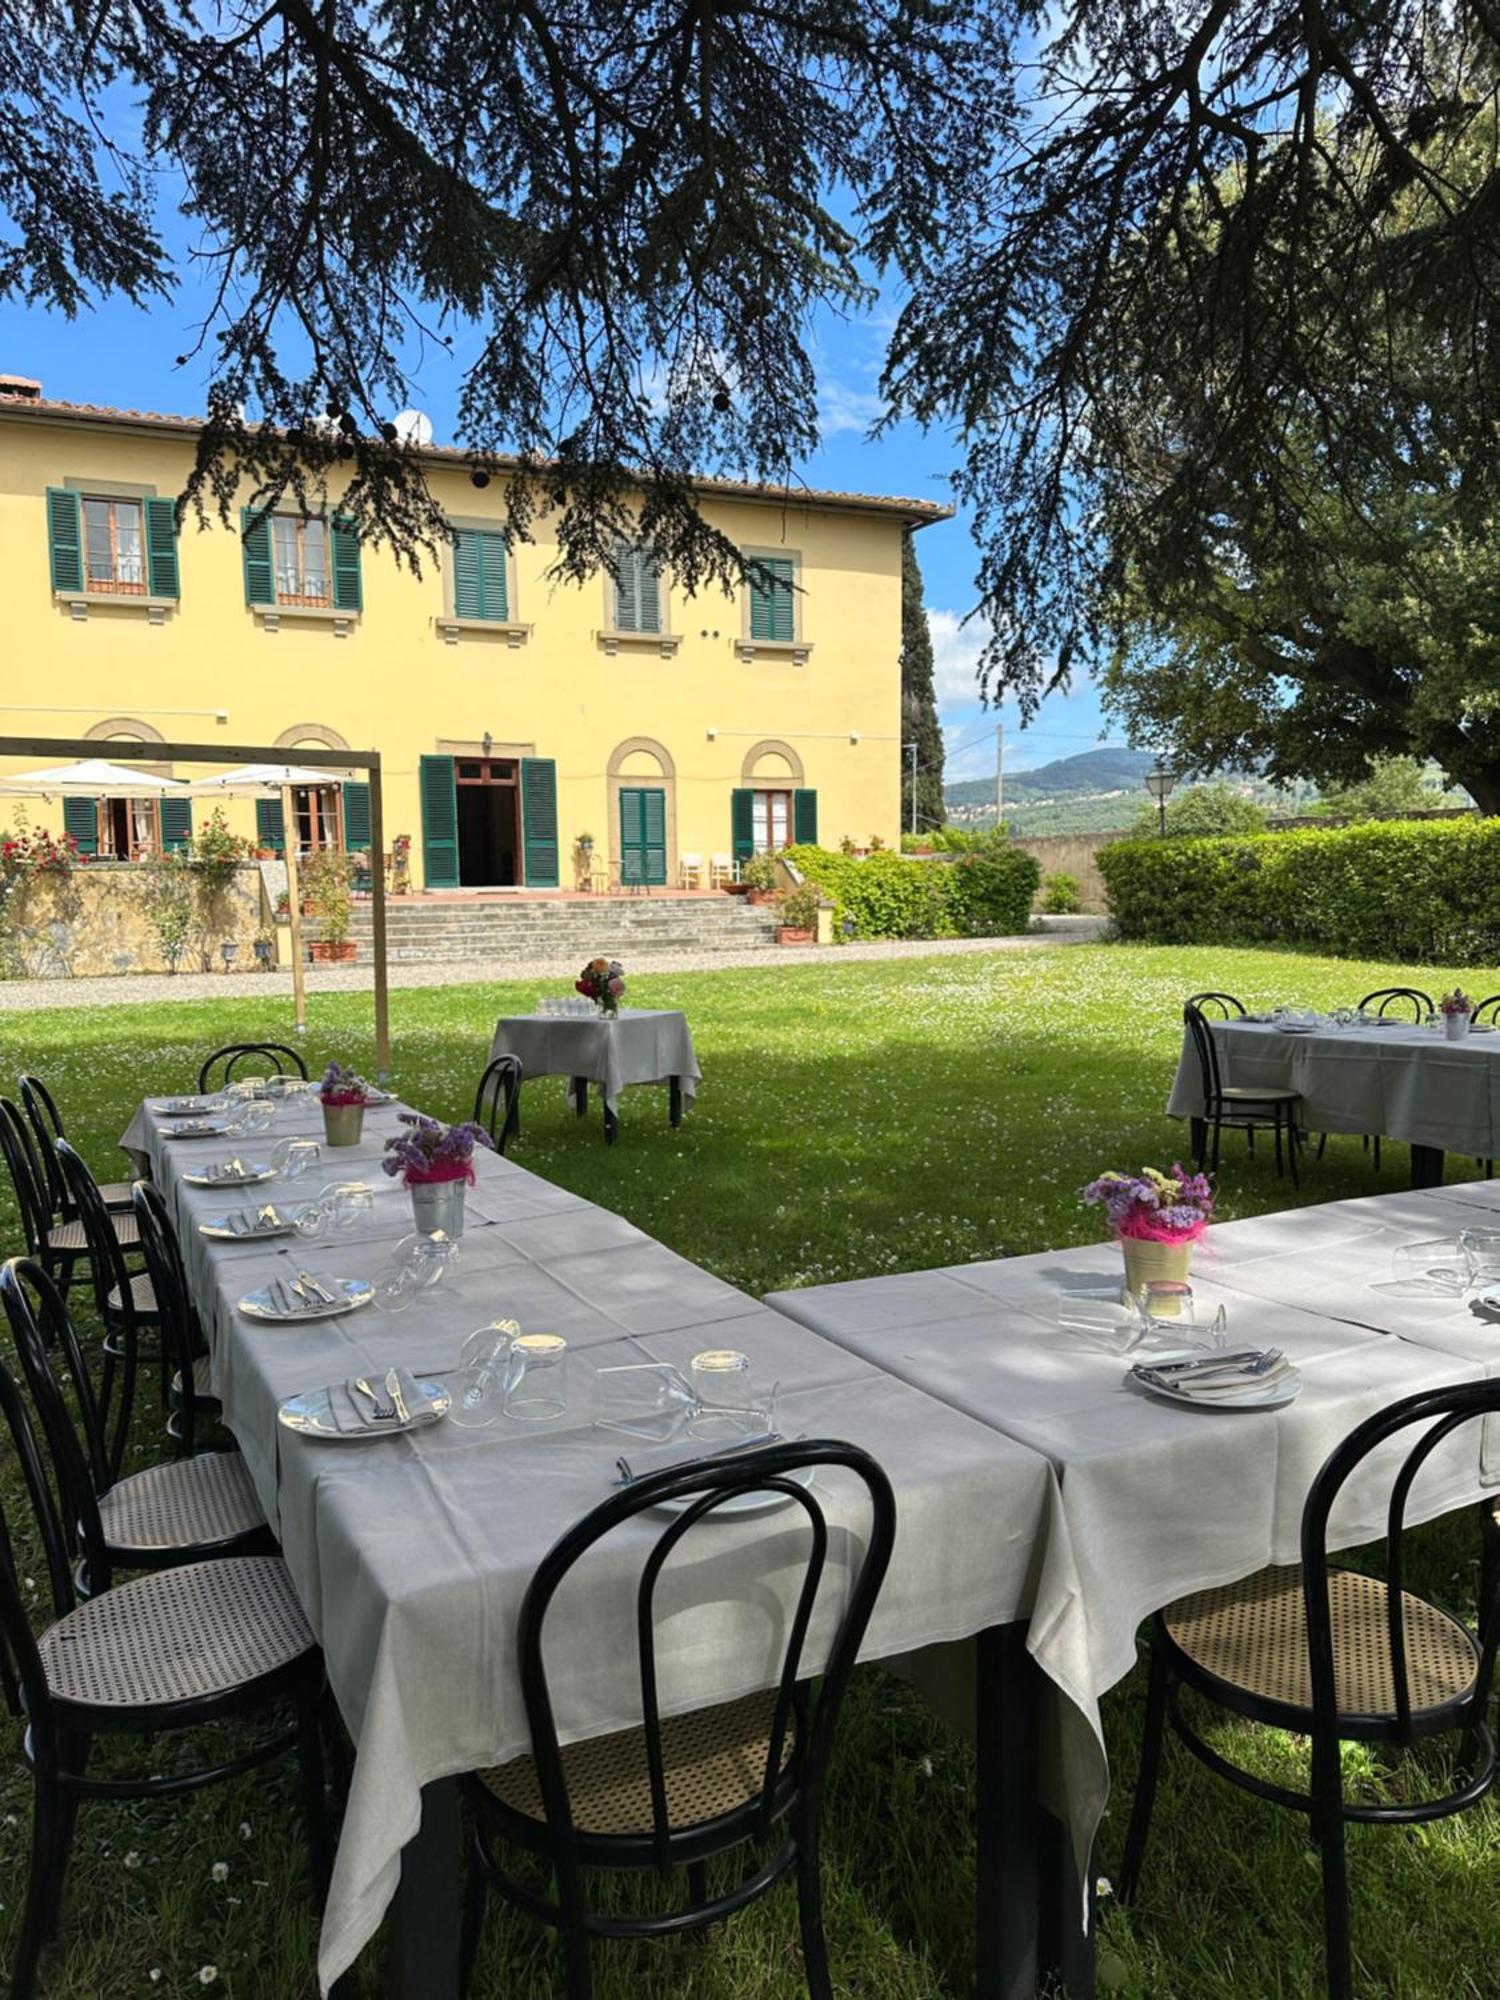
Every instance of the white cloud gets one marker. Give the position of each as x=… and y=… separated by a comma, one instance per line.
x=955, y=657
x=842, y=408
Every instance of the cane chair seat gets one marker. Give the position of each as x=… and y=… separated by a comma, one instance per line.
x=204, y=1629
x=183, y=1504
x=1239, y=1093
x=203, y=1391
x=714, y=1762
x=1252, y=1636
x=115, y=1194
x=142, y=1297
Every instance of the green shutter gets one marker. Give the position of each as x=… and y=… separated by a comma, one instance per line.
x=654, y=833
x=348, y=594
x=270, y=827
x=466, y=584
x=648, y=593
x=627, y=607
x=176, y=822
x=357, y=819
x=805, y=818
x=772, y=602
x=65, y=538
x=439, y=823
x=161, y=548
x=81, y=819
x=255, y=544
x=742, y=824
x=630, y=818
x=492, y=579
x=539, y=821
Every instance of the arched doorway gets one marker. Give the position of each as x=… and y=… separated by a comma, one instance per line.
x=328, y=816
x=643, y=813
x=773, y=780
x=122, y=828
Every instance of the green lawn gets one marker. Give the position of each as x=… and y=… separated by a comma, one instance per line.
x=854, y=1120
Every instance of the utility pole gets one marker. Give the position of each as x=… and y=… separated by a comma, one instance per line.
x=999, y=775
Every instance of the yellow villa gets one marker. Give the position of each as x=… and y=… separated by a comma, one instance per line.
x=535, y=735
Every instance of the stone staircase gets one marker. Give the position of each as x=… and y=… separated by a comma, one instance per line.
x=423, y=931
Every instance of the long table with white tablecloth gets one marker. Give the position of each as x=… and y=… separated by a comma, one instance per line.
x=411, y=1553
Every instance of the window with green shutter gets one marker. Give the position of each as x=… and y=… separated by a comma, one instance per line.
x=270, y=825
x=439, y=823
x=64, y=539
x=805, y=818
x=480, y=579
x=773, y=600
x=161, y=548
x=255, y=546
x=742, y=823
x=81, y=820
x=638, y=590
x=176, y=822
x=539, y=821
x=348, y=585
x=357, y=819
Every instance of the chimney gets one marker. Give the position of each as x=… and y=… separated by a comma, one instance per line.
x=22, y=387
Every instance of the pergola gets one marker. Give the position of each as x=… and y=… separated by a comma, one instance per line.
x=80, y=748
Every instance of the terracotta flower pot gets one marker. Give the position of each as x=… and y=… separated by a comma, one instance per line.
x=795, y=934
x=332, y=951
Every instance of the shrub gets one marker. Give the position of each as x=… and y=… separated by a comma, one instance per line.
x=327, y=882
x=1419, y=891
x=759, y=871
x=885, y=896
x=798, y=908
x=1203, y=810
x=1061, y=896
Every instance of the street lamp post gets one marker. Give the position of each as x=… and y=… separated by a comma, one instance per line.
x=1159, y=783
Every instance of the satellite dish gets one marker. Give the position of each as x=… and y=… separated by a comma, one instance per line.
x=412, y=427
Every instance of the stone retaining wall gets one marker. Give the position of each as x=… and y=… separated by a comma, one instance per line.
x=97, y=921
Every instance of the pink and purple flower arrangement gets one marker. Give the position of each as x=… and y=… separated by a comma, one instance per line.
x=429, y=1152
x=1152, y=1206
x=603, y=980
x=342, y=1086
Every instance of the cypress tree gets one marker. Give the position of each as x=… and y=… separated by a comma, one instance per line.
x=919, y=716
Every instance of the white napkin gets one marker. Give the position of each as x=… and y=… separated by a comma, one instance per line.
x=1215, y=1384
x=352, y=1411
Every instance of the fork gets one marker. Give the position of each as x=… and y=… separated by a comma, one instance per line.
x=382, y=1411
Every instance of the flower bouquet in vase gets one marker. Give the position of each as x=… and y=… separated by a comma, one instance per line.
x=1156, y=1218
x=343, y=1096
x=436, y=1164
x=1457, y=1010
x=603, y=980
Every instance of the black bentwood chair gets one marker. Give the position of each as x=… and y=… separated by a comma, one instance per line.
x=1339, y=1657
x=1240, y=1109
x=1219, y=1006
x=497, y=1102
x=124, y=1299
x=678, y=1791
x=57, y=1241
x=188, y=1395
x=151, y=1657
x=185, y=1511
x=282, y=1060
x=47, y=1127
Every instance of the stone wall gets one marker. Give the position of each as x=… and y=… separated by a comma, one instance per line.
x=1073, y=854
x=97, y=921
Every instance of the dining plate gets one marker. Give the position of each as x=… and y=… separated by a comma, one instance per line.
x=310, y=1415
x=215, y=1177
x=197, y=1128
x=182, y=1107
x=221, y=1227
x=742, y=1503
x=1298, y=1027
x=1270, y=1396
x=260, y=1304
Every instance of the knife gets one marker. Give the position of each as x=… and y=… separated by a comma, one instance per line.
x=1237, y=1359
x=393, y=1390
x=315, y=1289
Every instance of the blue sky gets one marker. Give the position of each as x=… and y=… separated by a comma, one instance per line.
x=123, y=356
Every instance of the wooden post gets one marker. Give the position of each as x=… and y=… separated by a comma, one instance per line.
x=377, y=926
x=294, y=905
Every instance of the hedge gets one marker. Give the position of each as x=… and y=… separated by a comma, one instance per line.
x=886, y=896
x=1398, y=889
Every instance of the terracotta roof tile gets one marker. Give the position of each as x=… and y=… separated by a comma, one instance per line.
x=917, y=510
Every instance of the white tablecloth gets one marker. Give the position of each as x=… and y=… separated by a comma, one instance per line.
x=1405, y=1083
x=1158, y=1499
x=411, y=1554
x=640, y=1045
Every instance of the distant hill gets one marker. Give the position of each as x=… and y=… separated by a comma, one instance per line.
x=1111, y=768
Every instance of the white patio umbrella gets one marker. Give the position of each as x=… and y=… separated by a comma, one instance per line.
x=264, y=781
x=95, y=778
